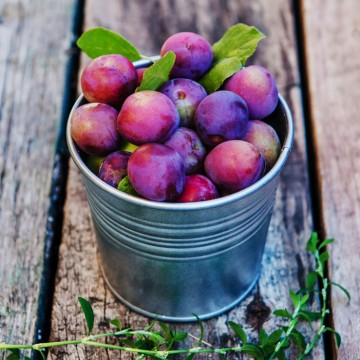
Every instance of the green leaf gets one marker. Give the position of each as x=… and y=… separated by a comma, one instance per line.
x=165, y=329
x=310, y=316
x=311, y=279
x=117, y=323
x=282, y=313
x=253, y=350
x=126, y=186
x=202, y=332
x=219, y=72
x=324, y=257
x=180, y=336
x=280, y=355
x=263, y=337
x=298, y=338
x=275, y=336
x=190, y=356
x=101, y=41
x=294, y=298
x=239, y=41
x=13, y=356
x=312, y=243
x=158, y=73
x=337, y=336
x=239, y=331
x=342, y=288
x=326, y=242
x=88, y=312
x=304, y=299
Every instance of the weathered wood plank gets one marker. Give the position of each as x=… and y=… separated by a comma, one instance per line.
x=34, y=38
x=332, y=45
x=147, y=24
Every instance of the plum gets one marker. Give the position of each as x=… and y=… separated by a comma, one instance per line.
x=156, y=172
x=198, y=187
x=188, y=145
x=193, y=55
x=114, y=167
x=147, y=116
x=265, y=138
x=109, y=79
x=186, y=94
x=221, y=116
x=257, y=87
x=234, y=165
x=93, y=128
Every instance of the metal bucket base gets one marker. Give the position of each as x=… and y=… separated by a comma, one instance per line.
x=179, y=319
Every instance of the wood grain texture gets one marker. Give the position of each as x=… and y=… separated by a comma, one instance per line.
x=147, y=24
x=332, y=44
x=32, y=66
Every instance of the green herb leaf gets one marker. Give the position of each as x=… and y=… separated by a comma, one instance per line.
x=326, y=242
x=324, y=257
x=310, y=315
x=219, y=72
x=263, y=337
x=342, y=288
x=88, y=312
x=101, y=41
x=253, y=350
x=280, y=355
x=117, y=323
x=337, y=336
x=282, y=313
x=311, y=278
x=312, y=243
x=275, y=336
x=298, y=339
x=239, y=331
x=239, y=41
x=158, y=73
x=126, y=187
x=15, y=355
x=294, y=298
x=201, y=338
x=190, y=356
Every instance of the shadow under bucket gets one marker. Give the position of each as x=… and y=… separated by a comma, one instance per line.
x=173, y=260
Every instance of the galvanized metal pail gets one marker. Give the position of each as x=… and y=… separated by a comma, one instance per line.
x=170, y=260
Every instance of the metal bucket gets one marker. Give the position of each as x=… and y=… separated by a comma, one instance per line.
x=170, y=260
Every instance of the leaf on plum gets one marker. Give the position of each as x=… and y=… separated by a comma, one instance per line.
x=126, y=186
x=239, y=41
x=158, y=73
x=101, y=41
x=219, y=72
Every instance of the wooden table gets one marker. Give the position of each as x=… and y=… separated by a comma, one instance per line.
x=48, y=247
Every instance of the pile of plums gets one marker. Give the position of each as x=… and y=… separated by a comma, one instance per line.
x=187, y=145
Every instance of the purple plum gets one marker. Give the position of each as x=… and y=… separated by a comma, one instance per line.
x=146, y=117
x=109, y=79
x=156, y=172
x=186, y=94
x=188, y=145
x=265, y=138
x=114, y=167
x=234, y=165
x=198, y=188
x=193, y=55
x=93, y=128
x=221, y=116
x=257, y=87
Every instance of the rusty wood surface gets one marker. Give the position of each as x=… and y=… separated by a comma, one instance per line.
x=147, y=24
x=34, y=39
x=332, y=50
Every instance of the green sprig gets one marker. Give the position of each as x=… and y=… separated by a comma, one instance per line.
x=161, y=344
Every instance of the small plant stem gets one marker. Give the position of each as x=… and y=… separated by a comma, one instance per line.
x=324, y=310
